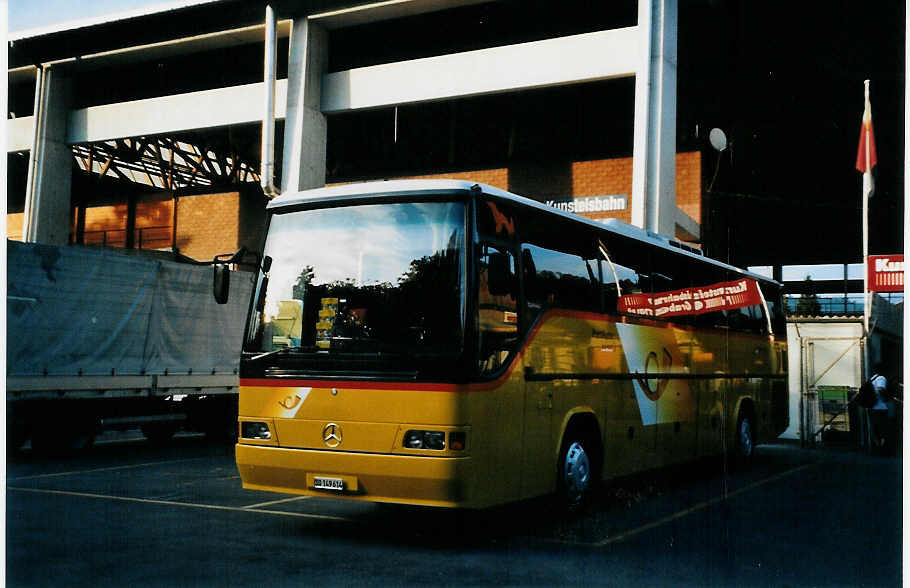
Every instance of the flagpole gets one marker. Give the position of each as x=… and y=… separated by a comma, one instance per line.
x=867, y=185
x=867, y=176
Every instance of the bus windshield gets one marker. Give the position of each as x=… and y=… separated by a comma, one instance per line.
x=367, y=289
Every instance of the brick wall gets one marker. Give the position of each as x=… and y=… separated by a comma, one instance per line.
x=588, y=178
x=498, y=178
x=614, y=176
x=688, y=184
x=106, y=225
x=14, y=226
x=208, y=225
x=211, y=224
x=604, y=177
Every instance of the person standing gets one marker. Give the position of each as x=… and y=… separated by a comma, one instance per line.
x=879, y=413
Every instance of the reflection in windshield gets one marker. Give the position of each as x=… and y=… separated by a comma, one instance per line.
x=384, y=278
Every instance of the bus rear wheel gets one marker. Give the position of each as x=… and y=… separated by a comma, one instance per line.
x=745, y=441
x=576, y=474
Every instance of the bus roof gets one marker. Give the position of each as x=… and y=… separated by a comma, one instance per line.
x=388, y=188
x=342, y=194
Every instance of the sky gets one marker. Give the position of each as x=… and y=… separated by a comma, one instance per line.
x=30, y=14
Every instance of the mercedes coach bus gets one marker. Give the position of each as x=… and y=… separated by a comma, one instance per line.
x=447, y=343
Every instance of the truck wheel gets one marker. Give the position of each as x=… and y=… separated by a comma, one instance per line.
x=220, y=431
x=57, y=441
x=158, y=433
x=575, y=476
x=16, y=434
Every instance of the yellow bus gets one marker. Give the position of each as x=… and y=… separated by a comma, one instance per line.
x=445, y=343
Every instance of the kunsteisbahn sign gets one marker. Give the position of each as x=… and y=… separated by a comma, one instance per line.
x=885, y=273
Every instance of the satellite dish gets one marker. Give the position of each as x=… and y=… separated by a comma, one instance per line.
x=718, y=139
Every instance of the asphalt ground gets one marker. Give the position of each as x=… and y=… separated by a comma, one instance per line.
x=129, y=514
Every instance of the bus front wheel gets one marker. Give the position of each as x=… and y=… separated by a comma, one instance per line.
x=576, y=475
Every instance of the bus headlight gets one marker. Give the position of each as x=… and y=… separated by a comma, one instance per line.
x=255, y=430
x=425, y=440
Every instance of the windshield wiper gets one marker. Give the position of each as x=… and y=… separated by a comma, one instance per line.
x=275, y=352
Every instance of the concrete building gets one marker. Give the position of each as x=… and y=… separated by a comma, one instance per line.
x=118, y=151
x=123, y=130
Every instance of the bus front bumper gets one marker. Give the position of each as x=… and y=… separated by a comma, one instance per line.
x=403, y=479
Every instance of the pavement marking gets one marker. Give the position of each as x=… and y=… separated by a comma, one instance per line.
x=110, y=469
x=700, y=506
x=183, y=504
x=270, y=503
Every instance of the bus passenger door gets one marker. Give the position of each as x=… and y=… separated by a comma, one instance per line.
x=638, y=412
x=499, y=415
x=538, y=455
x=677, y=407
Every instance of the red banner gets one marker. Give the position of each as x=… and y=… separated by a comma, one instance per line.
x=690, y=301
x=885, y=273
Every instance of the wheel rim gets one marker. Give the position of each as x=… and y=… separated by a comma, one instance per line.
x=745, y=437
x=576, y=472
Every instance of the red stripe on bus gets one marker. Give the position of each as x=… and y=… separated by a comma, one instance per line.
x=346, y=384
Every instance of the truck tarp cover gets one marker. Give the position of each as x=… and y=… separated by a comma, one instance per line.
x=82, y=311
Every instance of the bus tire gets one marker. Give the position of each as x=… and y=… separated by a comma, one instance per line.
x=576, y=473
x=744, y=444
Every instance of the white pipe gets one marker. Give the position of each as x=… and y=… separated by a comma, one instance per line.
x=31, y=190
x=267, y=174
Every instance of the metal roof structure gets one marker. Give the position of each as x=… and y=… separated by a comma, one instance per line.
x=164, y=162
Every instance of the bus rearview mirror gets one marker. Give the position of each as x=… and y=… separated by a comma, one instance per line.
x=221, y=284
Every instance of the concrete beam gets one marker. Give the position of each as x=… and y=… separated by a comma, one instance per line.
x=654, y=148
x=305, y=128
x=687, y=228
x=575, y=59
x=176, y=47
x=384, y=10
x=153, y=116
x=167, y=114
x=50, y=169
x=567, y=60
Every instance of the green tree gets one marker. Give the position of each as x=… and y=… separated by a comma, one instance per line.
x=808, y=304
x=303, y=280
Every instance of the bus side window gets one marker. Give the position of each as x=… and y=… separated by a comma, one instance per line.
x=559, y=280
x=705, y=276
x=497, y=308
x=624, y=273
x=775, y=308
x=670, y=287
x=747, y=319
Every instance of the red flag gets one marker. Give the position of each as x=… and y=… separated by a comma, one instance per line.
x=865, y=154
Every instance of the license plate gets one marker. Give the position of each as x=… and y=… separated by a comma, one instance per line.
x=335, y=484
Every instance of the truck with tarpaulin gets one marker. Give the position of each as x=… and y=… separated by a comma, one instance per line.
x=108, y=339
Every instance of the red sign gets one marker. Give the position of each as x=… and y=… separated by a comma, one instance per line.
x=689, y=301
x=885, y=273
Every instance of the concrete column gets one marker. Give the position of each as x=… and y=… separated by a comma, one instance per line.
x=304, y=158
x=50, y=167
x=654, y=150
